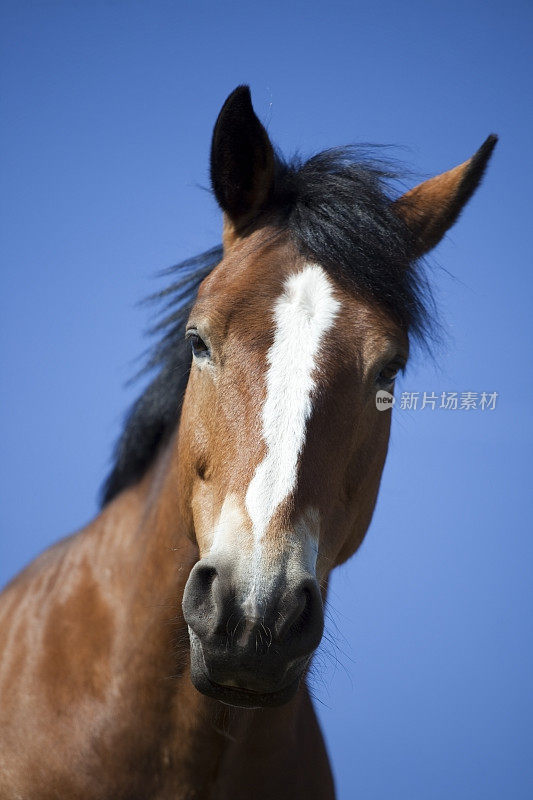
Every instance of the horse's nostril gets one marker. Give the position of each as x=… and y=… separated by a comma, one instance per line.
x=288, y=627
x=199, y=601
x=205, y=575
x=301, y=616
x=290, y=619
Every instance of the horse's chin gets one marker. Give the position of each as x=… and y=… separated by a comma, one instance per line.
x=243, y=698
x=232, y=694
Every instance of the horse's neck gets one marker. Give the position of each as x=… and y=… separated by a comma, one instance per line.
x=111, y=654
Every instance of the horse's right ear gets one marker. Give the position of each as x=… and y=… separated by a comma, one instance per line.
x=432, y=207
x=242, y=161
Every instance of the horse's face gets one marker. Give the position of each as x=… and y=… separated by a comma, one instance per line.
x=281, y=442
x=285, y=448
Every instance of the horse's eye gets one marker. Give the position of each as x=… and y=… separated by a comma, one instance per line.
x=198, y=346
x=389, y=373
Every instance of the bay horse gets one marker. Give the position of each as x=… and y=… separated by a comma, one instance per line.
x=162, y=651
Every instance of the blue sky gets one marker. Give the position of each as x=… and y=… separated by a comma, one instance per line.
x=107, y=110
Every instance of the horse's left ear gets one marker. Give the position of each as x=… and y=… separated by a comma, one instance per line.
x=242, y=160
x=432, y=207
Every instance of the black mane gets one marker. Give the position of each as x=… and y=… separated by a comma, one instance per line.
x=337, y=208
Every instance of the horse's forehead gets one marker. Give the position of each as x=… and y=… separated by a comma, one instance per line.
x=259, y=255
x=242, y=296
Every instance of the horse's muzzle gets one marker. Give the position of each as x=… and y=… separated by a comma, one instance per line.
x=250, y=654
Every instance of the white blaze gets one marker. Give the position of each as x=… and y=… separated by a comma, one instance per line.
x=303, y=314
